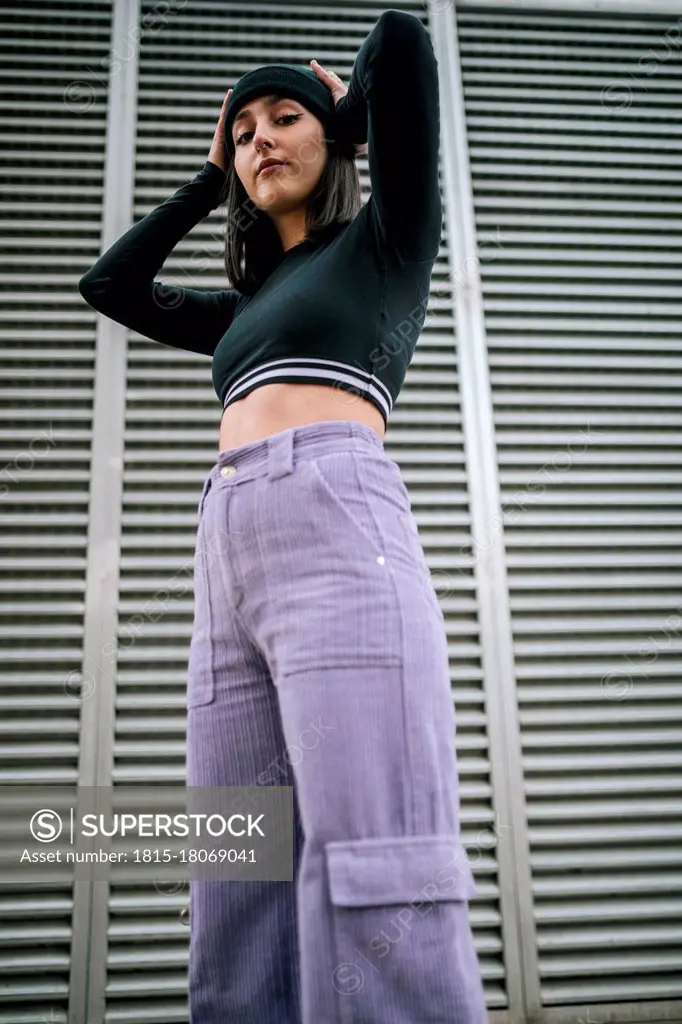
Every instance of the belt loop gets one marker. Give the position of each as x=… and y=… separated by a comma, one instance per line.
x=364, y=432
x=281, y=453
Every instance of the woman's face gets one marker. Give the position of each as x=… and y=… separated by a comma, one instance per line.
x=281, y=129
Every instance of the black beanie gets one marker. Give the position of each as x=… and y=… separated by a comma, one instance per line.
x=289, y=80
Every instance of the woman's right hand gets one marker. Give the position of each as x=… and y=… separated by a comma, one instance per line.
x=218, y=153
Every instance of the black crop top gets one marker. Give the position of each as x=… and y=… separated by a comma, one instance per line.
x=344, y=310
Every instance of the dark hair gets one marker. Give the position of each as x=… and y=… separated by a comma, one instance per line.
x=252, y=245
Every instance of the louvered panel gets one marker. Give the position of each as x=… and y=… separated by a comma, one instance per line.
x=172, y=422
x=51, y=177
x=576, y=156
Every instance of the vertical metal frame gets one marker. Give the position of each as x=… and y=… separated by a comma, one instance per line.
x=97, y=720
x=518, y=927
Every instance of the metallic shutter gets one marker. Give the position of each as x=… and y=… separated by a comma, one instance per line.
x=54, y=119
x=575, y=139
x=171, y=427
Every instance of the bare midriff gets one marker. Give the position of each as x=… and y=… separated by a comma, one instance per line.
x=273, y=407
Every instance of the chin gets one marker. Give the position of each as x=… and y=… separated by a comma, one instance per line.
x=280, y=199
x=270, y=201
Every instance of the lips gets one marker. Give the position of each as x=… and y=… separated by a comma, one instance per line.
x=278, y=163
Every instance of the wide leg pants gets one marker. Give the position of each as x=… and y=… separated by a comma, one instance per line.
x=318, y=661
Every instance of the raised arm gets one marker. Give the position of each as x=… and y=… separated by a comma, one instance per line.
x=392, y=103
x=122, y=283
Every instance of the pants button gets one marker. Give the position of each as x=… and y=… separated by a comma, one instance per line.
x=228, y=471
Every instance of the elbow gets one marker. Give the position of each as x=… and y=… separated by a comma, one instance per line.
x=96, y=290
x=401, y=19
x=84, y=287
x=87, y=283
x=406, y=54
x=406, y=31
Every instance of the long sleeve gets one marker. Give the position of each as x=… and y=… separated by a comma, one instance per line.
x=392, y=103
x=122, y=284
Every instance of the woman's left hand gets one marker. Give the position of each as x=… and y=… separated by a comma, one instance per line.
x=338, y=89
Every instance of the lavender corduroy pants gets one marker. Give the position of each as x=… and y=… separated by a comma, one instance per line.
x=318, y=660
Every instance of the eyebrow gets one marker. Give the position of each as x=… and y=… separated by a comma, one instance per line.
x=269, y=101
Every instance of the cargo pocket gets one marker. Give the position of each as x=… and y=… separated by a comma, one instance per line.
x=401, y=926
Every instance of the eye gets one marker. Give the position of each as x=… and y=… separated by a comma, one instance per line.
x=280, y=118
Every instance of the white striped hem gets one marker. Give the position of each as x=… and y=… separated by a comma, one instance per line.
x=312, y=369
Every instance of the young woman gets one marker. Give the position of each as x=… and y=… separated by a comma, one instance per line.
x=317, y=628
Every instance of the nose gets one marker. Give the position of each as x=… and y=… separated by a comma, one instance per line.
x=261, y=136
